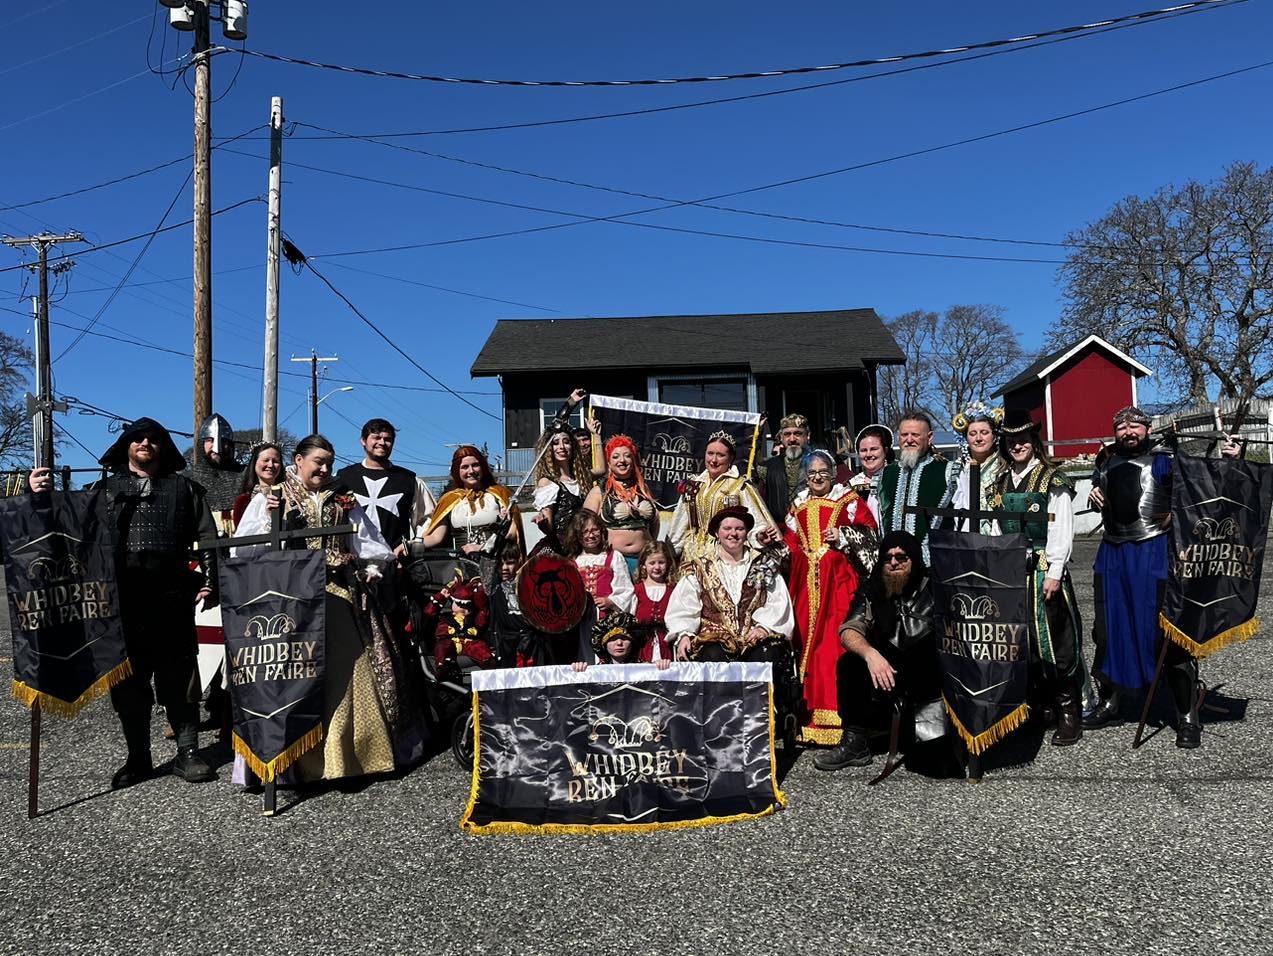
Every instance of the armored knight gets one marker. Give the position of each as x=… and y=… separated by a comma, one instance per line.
x=214, y=466
x=1131, y=486
x=1031, y=482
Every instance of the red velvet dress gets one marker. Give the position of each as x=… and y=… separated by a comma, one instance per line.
x=650, y=611
x=823, y=582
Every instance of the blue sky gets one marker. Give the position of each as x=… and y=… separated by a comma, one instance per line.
x=87, y=110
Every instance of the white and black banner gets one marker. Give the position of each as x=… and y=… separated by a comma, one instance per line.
x=621, y=747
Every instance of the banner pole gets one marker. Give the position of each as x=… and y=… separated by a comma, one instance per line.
x=33, y=781
x=1149, y=694
x=269, y=792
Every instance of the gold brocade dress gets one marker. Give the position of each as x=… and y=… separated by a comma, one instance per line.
x=695, y=510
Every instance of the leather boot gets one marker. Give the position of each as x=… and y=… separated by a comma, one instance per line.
x=1069, y=724
x=190, y=767
x=851, y=751
x=1182, y=680
x=139, y=765
x=1107, y=711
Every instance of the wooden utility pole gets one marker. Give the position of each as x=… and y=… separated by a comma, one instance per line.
x=202, y=213
x=41, y=406
x=269, y=408
x=313, y=360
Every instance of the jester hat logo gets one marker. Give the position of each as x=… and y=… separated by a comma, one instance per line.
x=1212, y=529
x=969, y=608
x=680, y=445
x=267, y=628
x=48, y=569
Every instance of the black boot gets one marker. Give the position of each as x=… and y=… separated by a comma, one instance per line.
x=851, y=751
x=139, y=765
x=190, y=767
x=1182, y=680
x=1069, y=723
x=1107, y=711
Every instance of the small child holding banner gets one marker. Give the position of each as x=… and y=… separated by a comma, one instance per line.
x=618, y=639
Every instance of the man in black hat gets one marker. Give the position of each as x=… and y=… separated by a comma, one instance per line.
x=157, y=513
x=891, y=642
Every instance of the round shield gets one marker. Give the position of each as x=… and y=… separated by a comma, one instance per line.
x=551, y=592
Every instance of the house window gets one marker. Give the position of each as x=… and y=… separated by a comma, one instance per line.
x=549, y=407
x=725, y=393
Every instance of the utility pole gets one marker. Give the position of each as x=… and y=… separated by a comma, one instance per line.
x=269, y=408
x=202, y=212
x=313, y=361
x=40, y=408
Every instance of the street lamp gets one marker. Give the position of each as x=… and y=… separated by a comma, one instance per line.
x=314, y=417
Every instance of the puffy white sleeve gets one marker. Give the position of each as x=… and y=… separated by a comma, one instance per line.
x=622, y=592
x=422, y=508
x=776, y=615
x=680, y=528
x=368, y=543
x=684, y=608
x=546, y=495
x=1060, y=532
x=255, y=520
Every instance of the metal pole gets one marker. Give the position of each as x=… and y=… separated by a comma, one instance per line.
x=313, y=394
x=43, y=368
x=269, y=410
x=202, y=214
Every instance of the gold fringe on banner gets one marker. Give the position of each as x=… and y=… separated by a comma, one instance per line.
x=584, y=829
x=1222, y=640
x=268, y=771
x=988, y=738
x=49, y=704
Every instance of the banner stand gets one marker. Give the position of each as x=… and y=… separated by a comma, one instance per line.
x=33, y=780
x=275, y=539
x=974, y=513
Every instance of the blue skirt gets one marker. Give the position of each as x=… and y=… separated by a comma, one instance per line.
x=1129, y=575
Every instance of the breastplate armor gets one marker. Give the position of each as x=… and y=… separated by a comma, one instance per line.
x=1137, y=507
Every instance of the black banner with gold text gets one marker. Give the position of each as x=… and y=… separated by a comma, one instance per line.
x=1220, y=521
x=983, y=632
x=621, y=747
x=59, y=565
x=273, y=609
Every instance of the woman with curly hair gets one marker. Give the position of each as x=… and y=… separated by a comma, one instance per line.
x=471, y=507
x=624, y=504
x=563, y=480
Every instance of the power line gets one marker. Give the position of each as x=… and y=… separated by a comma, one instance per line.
x=440, y=288
x=296, y=257
x=142, y=235
x=105, y=33
x=707, y=200
x=1144, y=17
x=95, y=92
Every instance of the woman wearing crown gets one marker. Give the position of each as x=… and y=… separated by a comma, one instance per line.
x=978, y=424
x=831, y=534
x=706, y=494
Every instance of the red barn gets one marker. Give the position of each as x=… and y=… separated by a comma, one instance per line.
x=1074, y=393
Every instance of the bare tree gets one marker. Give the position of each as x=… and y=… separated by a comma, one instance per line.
x=909, y=387
x=975, y=352
x=1183, y=281
x=16, y=362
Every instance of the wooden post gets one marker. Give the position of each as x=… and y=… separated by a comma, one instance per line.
x=1149, y=694
x=269, y=410
x=202, y=214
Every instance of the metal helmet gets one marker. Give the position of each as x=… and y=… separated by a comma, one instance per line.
x=222, y=435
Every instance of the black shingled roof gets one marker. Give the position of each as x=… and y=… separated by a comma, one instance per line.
x=770, y=342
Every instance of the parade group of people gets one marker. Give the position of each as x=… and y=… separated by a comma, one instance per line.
x=813, y=565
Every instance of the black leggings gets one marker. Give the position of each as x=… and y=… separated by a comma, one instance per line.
x=771, y=650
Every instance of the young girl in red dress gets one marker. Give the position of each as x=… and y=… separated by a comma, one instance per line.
x=655, y=568
x=604, y=571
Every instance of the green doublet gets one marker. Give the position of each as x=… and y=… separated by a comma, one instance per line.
x=925, y=485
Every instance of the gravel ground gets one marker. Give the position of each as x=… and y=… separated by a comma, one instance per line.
x=1092, y=849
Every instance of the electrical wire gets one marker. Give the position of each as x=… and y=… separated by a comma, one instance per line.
x=1145, y=17
x=84, y=96
x=79, y=43
x=441, y=288
x=707, y=200
x=296, y=257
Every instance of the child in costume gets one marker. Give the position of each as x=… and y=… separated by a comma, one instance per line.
x=657, y=565
x=617, y=640
x=460, y=629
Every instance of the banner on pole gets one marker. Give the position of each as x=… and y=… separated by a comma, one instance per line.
x=672, y=438
x=59, y=564
x=983, y=632
x=1220, y=521
x=273, y=606
x=621, y=748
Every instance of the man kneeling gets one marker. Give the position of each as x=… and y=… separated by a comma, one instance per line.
x=892, y=651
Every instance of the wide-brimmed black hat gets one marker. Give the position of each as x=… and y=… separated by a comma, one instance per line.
x=116, y=457
x=735, y=511
x=1016, y=421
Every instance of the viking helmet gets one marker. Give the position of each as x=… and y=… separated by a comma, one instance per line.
x=218, y=429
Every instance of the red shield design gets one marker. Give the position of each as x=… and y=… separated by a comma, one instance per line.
x=551, y=592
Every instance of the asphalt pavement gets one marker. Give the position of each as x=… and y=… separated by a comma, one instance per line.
x=1091, y=849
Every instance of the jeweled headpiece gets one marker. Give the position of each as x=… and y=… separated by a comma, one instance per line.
x=725, y=438
x=977, y=411
x=794, y=420
x=1131, y=415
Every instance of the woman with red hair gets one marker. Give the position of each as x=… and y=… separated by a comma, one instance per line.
x=472, y=505
x=624, y=503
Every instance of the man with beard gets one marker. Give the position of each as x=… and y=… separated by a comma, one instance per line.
x=780, y=476
x=891, y=649
x=213, y=466
x=1131, y=487
x=157, y=513
x=919, y=478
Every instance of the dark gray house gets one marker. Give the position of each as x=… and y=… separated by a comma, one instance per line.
x=822, y=364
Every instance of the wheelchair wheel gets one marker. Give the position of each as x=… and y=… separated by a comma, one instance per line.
x=462, y=740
